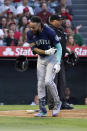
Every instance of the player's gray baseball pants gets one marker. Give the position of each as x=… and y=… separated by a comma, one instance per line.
x=46, y=76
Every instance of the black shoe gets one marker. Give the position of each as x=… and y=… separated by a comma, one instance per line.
x=66, y=106
x=50, y=106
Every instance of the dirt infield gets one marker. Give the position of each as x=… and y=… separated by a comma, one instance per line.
x=76, y=113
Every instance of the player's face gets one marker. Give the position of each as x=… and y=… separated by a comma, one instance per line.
x=34, y=27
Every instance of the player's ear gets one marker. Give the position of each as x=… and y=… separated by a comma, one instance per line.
x=39, y=26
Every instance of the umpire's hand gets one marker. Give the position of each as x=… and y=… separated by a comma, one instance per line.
x=56, y=68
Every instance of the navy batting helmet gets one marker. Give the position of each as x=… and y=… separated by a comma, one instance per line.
x=21, y=63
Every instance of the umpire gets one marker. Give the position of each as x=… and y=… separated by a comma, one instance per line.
x=55, y=22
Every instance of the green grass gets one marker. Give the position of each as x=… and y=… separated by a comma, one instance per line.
x=25, y=107
x=17, y=107
x=80, y=106
x=40, y=124
x=43, y=124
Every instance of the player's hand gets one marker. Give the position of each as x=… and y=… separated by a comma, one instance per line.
x=56, y=68
x=51, y=51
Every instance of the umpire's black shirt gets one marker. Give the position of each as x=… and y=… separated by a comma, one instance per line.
x=62, y=37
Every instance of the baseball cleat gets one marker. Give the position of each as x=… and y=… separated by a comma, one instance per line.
x=41, y=114
x=66, y=106
x=56, y=109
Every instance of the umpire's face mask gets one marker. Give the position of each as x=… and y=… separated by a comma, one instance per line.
x=35, y=28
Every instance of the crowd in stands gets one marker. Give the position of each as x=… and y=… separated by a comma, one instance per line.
x=16, y=14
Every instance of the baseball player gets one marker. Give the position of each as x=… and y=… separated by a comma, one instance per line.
x=44, y=41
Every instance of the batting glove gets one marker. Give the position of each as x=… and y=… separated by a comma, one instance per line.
x=51, y=51
x=56, y=68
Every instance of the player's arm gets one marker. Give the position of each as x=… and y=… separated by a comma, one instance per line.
x=40, y=51
x=56, y=68
x=55, y=43
x=36, y=50
x=34, y=47
x=58, y=47
x=59, y=52
x=32, y=44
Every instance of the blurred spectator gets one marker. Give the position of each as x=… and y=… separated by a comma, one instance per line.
x=70, y=41
x=23, y=39
x=9, y=12
x=12, y=26
x=78, y=27
x=69, y=3
x=26, y=13
x=69, y=98
x=77, y=37
x=69, y=24
x=69, y=30
x=31, y=3
x=1, y=2
x=1, y=37
x=20, y=41
x=7, y=5
x=22, y=23
x=24, y=35
x=5, y=30
x=53, y=4
x=3, y=22
x=36, y=4
x=64, y=12
x=85, y=101
x=16, y=3
x=44, y=14
x=63, y=3
x=38, y=9
x=24, y=5
x=10, y=16
x=24, y=19
x=10, y=40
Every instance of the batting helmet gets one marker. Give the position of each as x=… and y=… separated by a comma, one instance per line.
x=72, y=59
x=21, y=63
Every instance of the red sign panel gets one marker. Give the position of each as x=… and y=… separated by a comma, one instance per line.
x=8, y=51
x=80, y=51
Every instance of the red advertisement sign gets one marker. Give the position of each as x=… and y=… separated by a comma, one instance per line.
x=80, y=51
x=8, y=51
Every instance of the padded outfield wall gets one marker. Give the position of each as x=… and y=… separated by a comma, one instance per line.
x=20, y=87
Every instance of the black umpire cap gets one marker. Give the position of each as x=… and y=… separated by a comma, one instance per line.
x=56, y=17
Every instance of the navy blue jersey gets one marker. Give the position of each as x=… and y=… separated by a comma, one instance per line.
x=45, y=39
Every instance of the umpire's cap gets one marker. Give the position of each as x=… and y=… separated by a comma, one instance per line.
x=56, y=17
